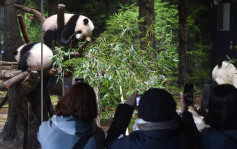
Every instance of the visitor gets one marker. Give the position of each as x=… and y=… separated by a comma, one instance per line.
x=221, y=118
x=158, y=124
x=73, y=125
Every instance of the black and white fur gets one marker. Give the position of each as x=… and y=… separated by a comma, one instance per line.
x=28, y=57
x=76, y=26
x=225, y=73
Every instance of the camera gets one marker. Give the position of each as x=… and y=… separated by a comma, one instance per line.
x=188, y=94
x=69, y=81
x=138, y=99
x=78, y=80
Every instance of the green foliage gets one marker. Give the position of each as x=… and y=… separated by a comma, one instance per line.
x=33, y=28
x=166, y=25
x=198, y=44
x=115, y=60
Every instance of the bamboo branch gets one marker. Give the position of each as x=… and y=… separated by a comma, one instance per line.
x=85, y=43
x=23, y=28
x=36, y=14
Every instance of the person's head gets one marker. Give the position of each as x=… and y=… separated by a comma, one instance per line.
x=222, y=108
x=79, y=101
x=157, y=105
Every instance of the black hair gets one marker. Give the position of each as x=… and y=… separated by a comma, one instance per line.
x=222, y=108
x=157, y=105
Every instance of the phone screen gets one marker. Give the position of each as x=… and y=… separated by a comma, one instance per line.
x=188, y=93
x=138, y=99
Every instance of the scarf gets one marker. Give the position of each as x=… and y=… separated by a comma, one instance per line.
x=141, y=124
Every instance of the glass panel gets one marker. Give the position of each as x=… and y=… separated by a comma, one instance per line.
x=223, y=17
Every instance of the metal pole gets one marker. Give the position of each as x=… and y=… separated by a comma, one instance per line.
x=41, y=76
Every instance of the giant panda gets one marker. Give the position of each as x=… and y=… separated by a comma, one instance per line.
x=225, y=73
x=28, y=57
x=75, y=26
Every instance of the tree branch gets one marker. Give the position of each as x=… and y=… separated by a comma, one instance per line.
x=36, y=14
x=23, y=28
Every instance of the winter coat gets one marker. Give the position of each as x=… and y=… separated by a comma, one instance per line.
x=216, y=139
x=64, y=132
x=180, y=138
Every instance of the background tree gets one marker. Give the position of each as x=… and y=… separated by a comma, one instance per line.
x=12, y=38
x=146, y=11
x=52, y=5
x=183, y=41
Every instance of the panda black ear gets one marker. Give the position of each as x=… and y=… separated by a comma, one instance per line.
x=86, y=21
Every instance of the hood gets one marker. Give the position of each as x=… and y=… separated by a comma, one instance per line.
x=71, y=125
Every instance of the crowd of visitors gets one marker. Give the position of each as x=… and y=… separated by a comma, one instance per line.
x=158, y=125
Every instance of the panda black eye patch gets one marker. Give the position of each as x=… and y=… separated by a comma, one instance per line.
x=79, y=32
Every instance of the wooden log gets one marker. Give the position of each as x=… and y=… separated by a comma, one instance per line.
x=23, y=28
x=3, y=101
x=13, y=81
x=2, y=87
x=5, y=63
x=8, y=73
x=60, y=22
x=36, y=14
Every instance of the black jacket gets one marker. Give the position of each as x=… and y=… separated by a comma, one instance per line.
x=215, y=139
x=150, y=139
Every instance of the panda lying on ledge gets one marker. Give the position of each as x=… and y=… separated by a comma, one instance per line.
x=225, y=73
x=76, y=26
x=28, y=57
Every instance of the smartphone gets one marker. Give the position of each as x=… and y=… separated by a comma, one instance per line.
x=138, y=99
x=79, y=80
x=188, y=93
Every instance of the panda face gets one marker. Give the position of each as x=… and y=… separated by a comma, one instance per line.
x=84, y=27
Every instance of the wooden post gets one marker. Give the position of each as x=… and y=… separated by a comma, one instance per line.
x=60, y=22
x=23, y=28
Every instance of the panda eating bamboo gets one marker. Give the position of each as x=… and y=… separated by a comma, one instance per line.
x=75, y=26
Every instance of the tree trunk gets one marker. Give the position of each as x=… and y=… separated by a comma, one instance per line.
x=146, y=11
x=12, y=38
x=24, y=113
x=52, y=7
x=183, y=44
x=17, y=112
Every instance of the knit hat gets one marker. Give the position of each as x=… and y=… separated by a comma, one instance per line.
x=157, y=105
